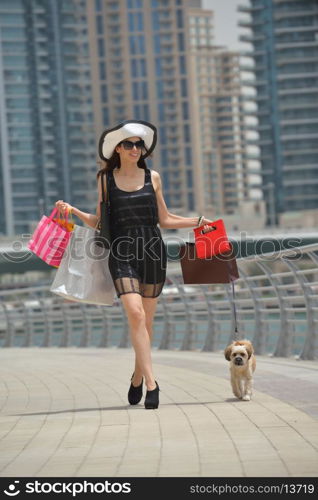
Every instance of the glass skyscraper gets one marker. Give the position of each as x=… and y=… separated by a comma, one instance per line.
x=47, y=141
x=284, y=38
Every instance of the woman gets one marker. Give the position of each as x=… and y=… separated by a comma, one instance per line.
x=138, y=260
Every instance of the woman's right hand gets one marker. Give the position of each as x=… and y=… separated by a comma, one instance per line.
x=205, y=223
x=63, y=207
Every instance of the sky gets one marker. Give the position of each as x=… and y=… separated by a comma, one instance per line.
x=226, y=30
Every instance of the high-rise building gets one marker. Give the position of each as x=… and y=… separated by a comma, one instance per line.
x=47, y=148
x=71, y=68
x=220, y=114
x=284, y=38
x=140, y=70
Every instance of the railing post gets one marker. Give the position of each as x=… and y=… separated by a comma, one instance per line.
x=283, y=345
x=125, y=335
x=260, y=332
x=105, y=334
x=210, y=339
x=308, y=351
x=10, y=328
x=165, y=338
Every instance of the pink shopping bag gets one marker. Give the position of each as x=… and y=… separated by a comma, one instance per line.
x=49, y=240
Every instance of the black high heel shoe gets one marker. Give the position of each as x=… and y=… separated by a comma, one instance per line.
x=135, y=393
x=152, y=398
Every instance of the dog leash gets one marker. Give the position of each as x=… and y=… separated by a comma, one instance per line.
x=236, y=335
x=232, y=279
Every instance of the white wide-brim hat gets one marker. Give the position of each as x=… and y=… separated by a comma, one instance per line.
x=130, y=128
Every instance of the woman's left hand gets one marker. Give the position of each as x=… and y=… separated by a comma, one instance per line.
x=63, y=207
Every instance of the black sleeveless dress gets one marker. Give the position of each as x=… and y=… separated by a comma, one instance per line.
x=138, y=259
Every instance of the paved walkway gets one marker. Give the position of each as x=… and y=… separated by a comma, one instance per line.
x=64, y=412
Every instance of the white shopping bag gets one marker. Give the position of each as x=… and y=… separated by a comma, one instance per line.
x=83, y=274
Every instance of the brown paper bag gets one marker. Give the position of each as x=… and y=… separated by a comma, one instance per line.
x=219, y=269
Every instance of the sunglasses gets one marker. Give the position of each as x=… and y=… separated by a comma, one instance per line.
x=129, y=144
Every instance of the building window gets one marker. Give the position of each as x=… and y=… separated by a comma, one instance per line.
x=182, y=65
x=164, y=161
x=161, y=111
x=102, y=70
x=186, y=131
x=138, y=68
x=157, y=45
x=137, y=44
x=190, y=201
x=99, y=25
x=133, y=67
x=188, y=156
x=189, y=178
x=143, y=67
x=101, y=47
x=135, y=92
x=105, y=117
x=135, y=21
x=103, y=92
x=141, y=112
x=98, y=5
x=163, y=135
x=159, y=3
x=158, y=67
x=185, y=111
x=140, y=91
x=179, y=18
x=181, y=44
x=183, y=85
x=159, y=86
x=134, y=4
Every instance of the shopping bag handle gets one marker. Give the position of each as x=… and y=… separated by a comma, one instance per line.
x=213, y=228
x=54, y=211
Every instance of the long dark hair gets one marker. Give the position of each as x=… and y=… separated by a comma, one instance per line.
x=114, y=161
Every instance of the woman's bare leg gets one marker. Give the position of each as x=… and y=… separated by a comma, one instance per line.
x=140, y=338
x=149, y=305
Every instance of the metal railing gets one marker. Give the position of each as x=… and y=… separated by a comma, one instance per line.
x=276, y=300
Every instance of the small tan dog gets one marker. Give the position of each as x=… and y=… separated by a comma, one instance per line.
x=242, y=365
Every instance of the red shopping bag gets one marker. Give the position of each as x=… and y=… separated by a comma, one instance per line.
x=49, y=240
x=212, y=243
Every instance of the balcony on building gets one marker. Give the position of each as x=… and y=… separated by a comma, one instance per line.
x=253, y=83
x=282, y=60
x=250, y=8
x=251, y=38
x=264, y=97
x=252, y=53
x=302, y=90
x=245, y=24
x=251, y=127
x=256, y=112
x=259, y=142
x=291, y=29
x=298, y=13
x=249, y=68
x=299, y=137
x=250, y=23
x=168, y=63
x=296, y=45
x=294, y=76
x=298, y=151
